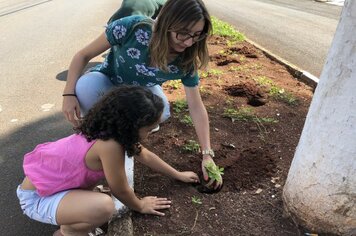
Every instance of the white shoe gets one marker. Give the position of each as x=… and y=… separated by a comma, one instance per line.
x=155, y=129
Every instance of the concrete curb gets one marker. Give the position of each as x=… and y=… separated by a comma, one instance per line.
x=121, y=225
x=301, y=75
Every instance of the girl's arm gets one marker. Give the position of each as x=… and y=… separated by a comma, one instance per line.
x=70, y=105
x=112, y=157
x=201, y=123
x=151, y=160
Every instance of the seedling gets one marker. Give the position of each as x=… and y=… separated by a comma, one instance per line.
x=180, y=105
x=196, y=200
x=214, y=171
x=191, y=146
x=174, y=84
x=187, y=120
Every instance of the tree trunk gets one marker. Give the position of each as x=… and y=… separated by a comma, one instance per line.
x=320, y=191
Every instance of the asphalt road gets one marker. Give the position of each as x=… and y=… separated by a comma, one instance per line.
x=39, y=37
x=299, y=31
x=37, y=41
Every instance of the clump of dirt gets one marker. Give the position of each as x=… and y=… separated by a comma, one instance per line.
x=255, y=153
x=254, y=94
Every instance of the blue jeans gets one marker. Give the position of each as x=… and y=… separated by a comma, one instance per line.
x=93, y=85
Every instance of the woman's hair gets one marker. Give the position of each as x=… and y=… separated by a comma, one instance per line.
x=120, y=114
x=178, y=15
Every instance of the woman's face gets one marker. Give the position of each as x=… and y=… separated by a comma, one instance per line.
x=185, y=38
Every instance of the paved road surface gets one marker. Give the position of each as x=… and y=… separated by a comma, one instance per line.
x=37, y=41
x=300, y=31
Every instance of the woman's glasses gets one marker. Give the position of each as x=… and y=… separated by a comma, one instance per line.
x=185, y=36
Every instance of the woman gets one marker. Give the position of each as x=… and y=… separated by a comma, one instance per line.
x=147, y=53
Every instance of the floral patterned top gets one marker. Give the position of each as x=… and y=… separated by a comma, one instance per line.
x=127, y=60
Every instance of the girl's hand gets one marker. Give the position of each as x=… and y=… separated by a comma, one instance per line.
x=152, y=204
x=188, y=177
x=206, y=160
x=71, y=109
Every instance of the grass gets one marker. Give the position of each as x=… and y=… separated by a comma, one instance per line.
x=224, y=29
x=276, y=92
x=246, y=114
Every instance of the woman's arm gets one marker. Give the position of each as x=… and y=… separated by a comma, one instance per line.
x=201, y=123
x=151, y=160
x=70, y=105
x=112, y=157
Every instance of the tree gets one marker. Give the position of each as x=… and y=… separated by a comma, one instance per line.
x=320, y=191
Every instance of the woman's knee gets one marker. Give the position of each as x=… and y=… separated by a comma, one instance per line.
x=90, y=88
x=159, y=92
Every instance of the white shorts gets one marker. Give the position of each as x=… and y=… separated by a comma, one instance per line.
x=39, y=208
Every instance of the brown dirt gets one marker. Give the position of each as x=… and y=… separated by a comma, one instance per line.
x=256, y=155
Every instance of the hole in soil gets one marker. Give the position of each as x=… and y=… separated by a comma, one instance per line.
x=255, y=95
x=246, y=171
x=202, y=188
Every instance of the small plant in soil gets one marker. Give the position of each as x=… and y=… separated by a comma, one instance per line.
x=196, y=200
x=174, y=84
x=243, y=114
x=191, y=146
x=187, y=120
x=276, y=92
x=180, y=105
x=214, y=172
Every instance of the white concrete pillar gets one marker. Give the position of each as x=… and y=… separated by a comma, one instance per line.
x=320, y=191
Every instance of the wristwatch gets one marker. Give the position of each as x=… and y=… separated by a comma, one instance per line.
x=208, y=152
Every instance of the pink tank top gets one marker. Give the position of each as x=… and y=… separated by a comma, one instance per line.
x=56, y=166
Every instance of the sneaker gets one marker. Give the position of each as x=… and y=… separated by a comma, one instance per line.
x=155, y=129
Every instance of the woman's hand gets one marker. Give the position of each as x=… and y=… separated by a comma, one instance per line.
x=151, y=205
x=71, y=109
x=188, y=177
x=206, y=160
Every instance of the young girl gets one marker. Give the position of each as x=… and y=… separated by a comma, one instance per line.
x=148, y=53
x=60, y=174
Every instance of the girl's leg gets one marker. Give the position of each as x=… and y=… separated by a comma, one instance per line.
x=81, y=211
x=90, y=88
x=159, y=92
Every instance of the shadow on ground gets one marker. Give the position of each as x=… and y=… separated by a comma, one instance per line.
x=62, y=76
x=13, y=147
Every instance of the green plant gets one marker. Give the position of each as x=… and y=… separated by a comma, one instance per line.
x=214, y=171
x=276, y=92
x=174, y=84
x=282, y=95
x=180, y=105
x=224, y=29
x=196, y=200
x=191, y=146
x=187, y=120
x=243, y=114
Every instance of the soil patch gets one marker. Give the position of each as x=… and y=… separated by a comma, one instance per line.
x=257, y=111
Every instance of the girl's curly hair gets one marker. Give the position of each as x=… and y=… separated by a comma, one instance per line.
x=120, y=114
